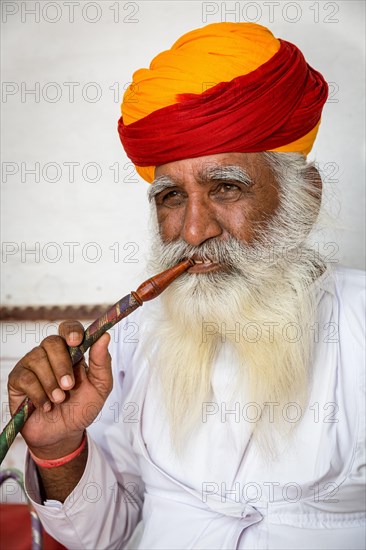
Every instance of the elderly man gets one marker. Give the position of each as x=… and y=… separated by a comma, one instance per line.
x=236, y=419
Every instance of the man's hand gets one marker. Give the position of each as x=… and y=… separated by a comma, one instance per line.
x=67, y=399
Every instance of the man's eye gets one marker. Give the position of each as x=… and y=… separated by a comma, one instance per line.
x=227, y=192
x=171, y=199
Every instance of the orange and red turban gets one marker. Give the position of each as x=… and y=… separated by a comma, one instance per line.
x=226, y=87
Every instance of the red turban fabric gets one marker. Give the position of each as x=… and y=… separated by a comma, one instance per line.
x=228, y=87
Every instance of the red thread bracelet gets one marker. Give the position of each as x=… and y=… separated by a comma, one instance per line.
x=55, y=462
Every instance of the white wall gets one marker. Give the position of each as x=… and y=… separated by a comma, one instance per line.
x=114, y=214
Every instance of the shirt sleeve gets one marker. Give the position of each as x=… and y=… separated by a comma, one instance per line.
x=99, y=513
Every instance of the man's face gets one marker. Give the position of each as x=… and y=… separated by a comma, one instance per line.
x=254, y=225
x=214, y=197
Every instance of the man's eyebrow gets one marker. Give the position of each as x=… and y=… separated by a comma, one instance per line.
x=158, y=185
x=213, y=173
x=226, y=173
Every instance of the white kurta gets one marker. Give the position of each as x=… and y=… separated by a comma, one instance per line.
x=221, y=494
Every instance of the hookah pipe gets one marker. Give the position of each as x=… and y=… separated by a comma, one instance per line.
x=146, y=291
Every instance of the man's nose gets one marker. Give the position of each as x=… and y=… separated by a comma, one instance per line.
x=200, y=222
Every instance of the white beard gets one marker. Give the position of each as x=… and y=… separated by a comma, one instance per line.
x=261, y=305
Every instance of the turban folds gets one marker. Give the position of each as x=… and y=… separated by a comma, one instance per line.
x=227, y=87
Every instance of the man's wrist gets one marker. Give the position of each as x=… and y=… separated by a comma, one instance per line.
x=59, y=449
x=61, y=461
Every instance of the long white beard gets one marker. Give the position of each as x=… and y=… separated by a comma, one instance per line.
x=262, y=305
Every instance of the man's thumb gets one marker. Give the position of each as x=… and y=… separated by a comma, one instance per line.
x=100, y=359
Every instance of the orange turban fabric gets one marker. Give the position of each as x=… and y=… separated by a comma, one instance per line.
x=226, y=87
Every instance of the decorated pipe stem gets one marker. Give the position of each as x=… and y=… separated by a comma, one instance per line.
x=146, y=291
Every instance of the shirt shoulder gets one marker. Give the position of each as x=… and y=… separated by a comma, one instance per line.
x=350, y=281
x=350, y=289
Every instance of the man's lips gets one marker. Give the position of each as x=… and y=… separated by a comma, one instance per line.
x=203, y=266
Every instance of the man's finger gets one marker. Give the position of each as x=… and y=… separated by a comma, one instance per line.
x=23, y=382
x=60, y=361
x=72, y=331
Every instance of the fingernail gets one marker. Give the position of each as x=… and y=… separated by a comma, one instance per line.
x=74, y=337
x=47, y=406
x=57, y=394
x=66, y=381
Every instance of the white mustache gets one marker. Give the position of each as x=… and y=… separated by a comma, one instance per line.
x=229, y=253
